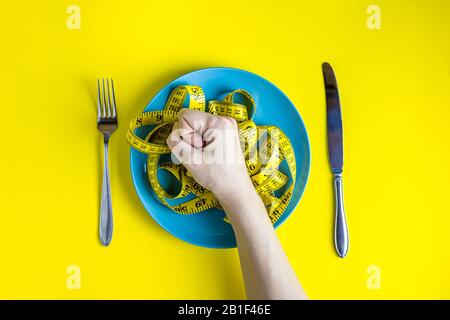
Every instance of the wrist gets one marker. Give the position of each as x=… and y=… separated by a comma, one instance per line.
x=243, y=206
x=236, y=194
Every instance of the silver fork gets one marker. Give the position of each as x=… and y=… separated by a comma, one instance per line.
x=107, y=124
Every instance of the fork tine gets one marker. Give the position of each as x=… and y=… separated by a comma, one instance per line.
x=113, y=99
x=99, y=101
x=109, y=98
x=104, y=98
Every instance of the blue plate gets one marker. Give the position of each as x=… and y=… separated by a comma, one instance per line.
x=207, y=228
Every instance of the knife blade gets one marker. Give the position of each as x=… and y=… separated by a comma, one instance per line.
x=336, y=157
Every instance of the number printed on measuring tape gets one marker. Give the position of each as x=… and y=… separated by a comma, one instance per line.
x=264, y=149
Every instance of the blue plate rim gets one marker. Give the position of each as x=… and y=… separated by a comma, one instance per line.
x=277, y=225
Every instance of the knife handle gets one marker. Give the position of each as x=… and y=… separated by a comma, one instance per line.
x=341, y=239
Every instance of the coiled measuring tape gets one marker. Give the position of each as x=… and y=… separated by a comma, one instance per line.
x=262, y=165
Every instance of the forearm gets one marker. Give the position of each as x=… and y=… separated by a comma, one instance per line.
x=266, y=270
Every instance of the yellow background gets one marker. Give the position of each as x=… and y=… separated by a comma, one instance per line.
x=394, y=85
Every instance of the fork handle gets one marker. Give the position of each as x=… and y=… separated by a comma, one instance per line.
x=106, y=219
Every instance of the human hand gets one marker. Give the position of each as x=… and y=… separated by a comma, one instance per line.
x=209, y=148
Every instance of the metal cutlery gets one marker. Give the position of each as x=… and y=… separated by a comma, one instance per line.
x=335, y=154
x=107, y=124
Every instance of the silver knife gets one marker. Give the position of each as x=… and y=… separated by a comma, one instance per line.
x=335, y=154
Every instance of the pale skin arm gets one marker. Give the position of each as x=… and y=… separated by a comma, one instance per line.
x=265, y=267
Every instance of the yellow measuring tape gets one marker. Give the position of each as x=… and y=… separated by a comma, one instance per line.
x=265, y=147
